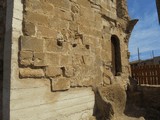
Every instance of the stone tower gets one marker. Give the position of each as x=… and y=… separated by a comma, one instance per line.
x=61, y=57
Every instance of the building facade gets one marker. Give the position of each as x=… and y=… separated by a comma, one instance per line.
x=57, y=53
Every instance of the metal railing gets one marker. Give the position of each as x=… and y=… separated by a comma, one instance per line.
x=147, y=74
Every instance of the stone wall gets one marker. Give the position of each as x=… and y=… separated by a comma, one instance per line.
x=69, y=42
x=59, y=47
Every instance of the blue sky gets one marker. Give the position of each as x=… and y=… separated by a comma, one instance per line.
x=146, y=34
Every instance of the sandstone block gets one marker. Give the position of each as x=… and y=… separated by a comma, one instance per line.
x=69, y=71
x=84, y=3
x=88, y=31
x=88, y=60
x=66, y=60
x=52, y=45
x=29, y=29
x=31, y=73
x=87, y=82
x=53, y=71
x=73, y=26
x=26, y=58
x=34, y=17
x=65, y=4
x=87, y=40
x=106, y=80
x=46, y=32
x=60, y=84
x=105, y=56
x=40, y=7
x=39, y=59
x=77, y=59
x=87, y=13
x=58, y=23
x=52, y=59
x=31, y=43
x=63, y=14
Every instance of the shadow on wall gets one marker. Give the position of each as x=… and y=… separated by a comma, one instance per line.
x=7, y=60
x=143, y=101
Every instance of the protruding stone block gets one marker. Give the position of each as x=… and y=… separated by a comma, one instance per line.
x=39, y=59
x=36, y=18
x=39, y=6
x=53, y=71
x=26, y=58
x=60, y=84
x=31, y=73
x=31, y=44
x=29, y=29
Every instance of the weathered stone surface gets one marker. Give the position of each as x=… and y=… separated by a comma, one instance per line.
x=31, y=73
x=40, y=6
x=29, y=29
x=57, y=23
x=66, y=43
x=63, y=14
x=111, y=101
x=69, y=71
x=52, y=45
x=46, y=32
x=35, y=18
x=26, y=58
x=60, y=84
x=53, y=71
x=88, y=60
x=31, y=43
x=65, y=4
x=66, y=60
x=52, y=59
x=39, y=59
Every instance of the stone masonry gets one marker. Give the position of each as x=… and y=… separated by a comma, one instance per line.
x=69, y=42
x=64, y=52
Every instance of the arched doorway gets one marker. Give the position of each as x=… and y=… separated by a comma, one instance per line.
x=116, y=55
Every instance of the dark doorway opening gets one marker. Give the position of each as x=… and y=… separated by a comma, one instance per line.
x=116, y=55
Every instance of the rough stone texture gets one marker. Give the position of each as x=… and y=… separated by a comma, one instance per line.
x=110, y=102
x=31, y=73
x=76, y=35
x=59, y=46
x=60, y=84
x=53, y=71
x=26, y=58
